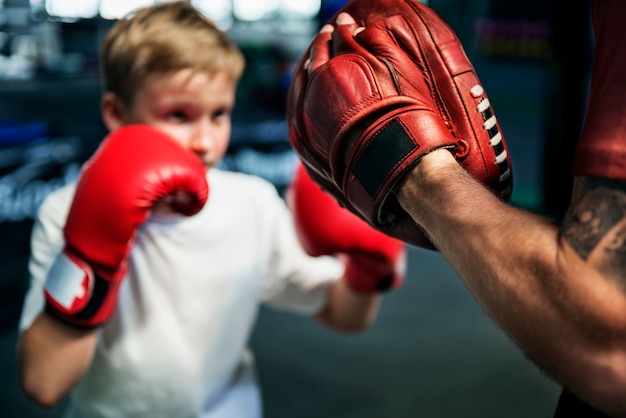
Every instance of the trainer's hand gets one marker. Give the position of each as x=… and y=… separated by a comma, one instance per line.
x=320, y=53
x=134, y=169
x=374, y=261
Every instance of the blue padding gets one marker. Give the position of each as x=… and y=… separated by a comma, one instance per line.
x=19, y=133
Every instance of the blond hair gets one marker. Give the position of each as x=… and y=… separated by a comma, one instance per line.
x=163, y=38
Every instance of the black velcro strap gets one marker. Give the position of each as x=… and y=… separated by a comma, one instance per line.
x=385, y=283
x=100, y=290
x=381, y=156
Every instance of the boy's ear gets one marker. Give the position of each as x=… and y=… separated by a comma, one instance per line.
x=113, y=111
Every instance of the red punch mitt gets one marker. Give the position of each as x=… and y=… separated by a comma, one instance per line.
x=363, y=109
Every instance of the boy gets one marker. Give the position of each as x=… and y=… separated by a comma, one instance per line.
x=147, y=274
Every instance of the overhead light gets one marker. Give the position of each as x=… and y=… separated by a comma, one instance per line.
x=305, y=9
x=68, y=9
x=219, y=11
x=118, y=9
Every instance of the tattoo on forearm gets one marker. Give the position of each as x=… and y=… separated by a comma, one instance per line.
x=596, y=221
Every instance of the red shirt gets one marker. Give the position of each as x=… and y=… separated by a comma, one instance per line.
x=601, y=151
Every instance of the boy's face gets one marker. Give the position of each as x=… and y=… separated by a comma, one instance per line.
x=193, y=108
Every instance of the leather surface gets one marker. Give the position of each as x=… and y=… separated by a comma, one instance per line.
x=386, y=97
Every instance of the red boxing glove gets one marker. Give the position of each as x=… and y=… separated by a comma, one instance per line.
x=134, y=168
x=374, y=261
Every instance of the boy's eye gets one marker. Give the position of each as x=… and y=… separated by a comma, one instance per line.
x=221, y=113
x=178, y=115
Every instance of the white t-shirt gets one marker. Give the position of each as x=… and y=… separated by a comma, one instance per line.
x=178, y=343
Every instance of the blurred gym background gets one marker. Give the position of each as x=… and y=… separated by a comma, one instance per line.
x=433, y=352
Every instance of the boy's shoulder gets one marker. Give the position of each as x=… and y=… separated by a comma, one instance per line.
x=59, y=198
x=55, y=206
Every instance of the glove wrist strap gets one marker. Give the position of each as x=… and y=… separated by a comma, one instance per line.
x=76, y=295
x=369, y=274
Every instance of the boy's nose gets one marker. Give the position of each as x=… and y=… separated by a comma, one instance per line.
x=201, y=140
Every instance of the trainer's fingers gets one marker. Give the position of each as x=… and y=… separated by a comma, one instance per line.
x=327, y=28
x=319, y=53
x=344, y=18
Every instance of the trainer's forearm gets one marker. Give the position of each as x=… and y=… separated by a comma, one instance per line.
x=504, y=255
x=550, y=302
x=53, y=358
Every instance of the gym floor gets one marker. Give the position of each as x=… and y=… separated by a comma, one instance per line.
x=432, y=353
